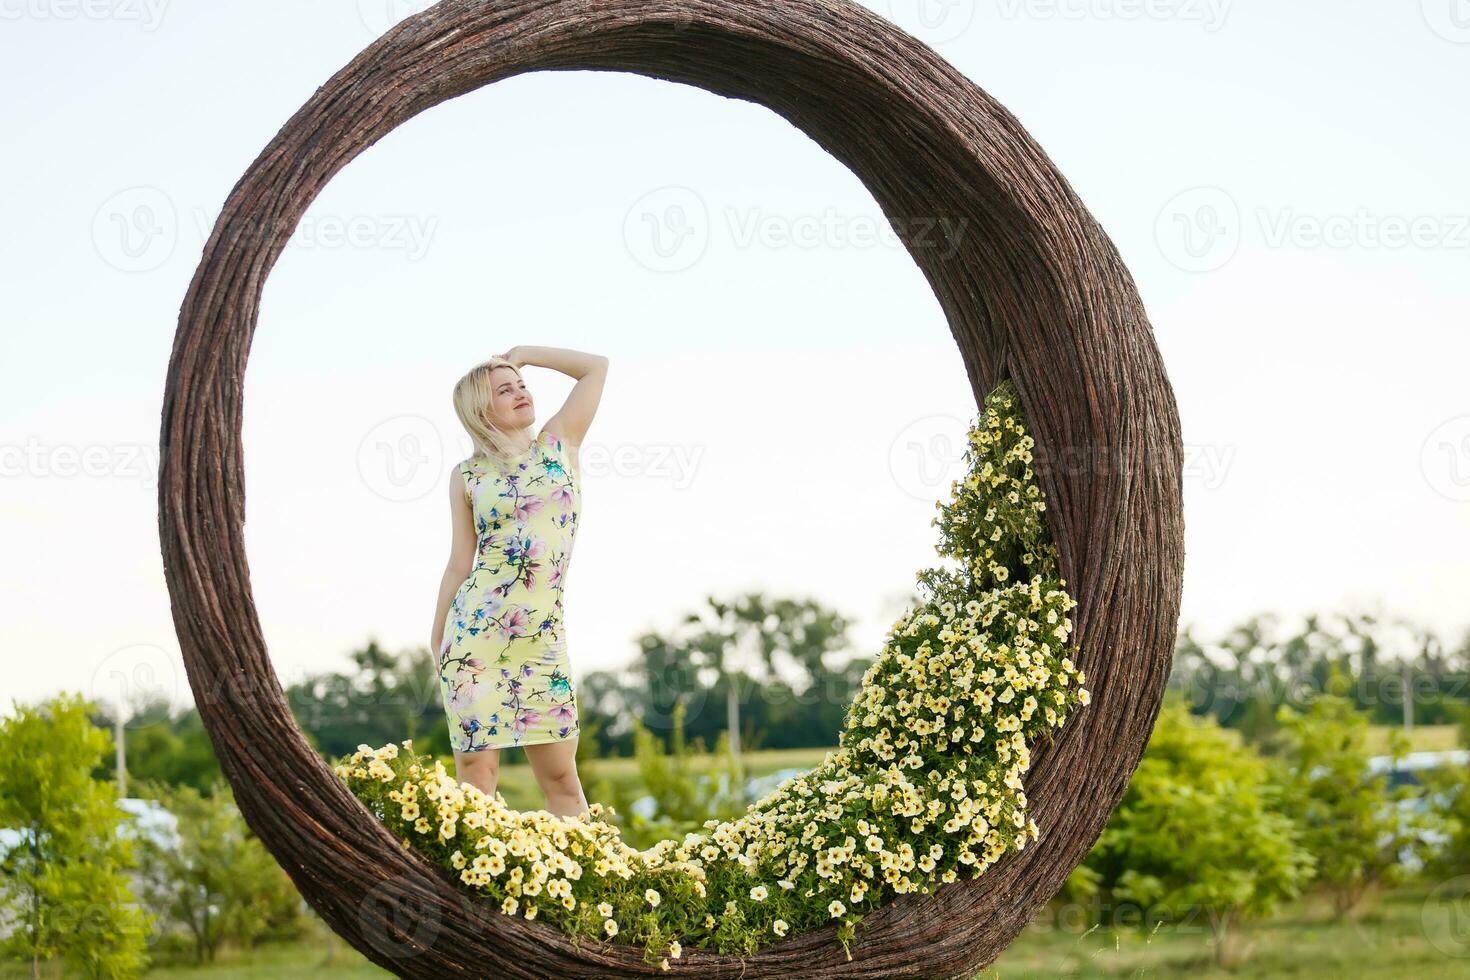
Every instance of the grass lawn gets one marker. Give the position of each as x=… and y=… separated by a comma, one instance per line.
x=1423, y=738
x=1402, y=933
x=1394, y=935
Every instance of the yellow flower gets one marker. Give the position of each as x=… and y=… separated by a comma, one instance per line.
x=604, y=909
x=610, y=927
x=652, y=897
x=779, y=927
x=836, y=908
x=758, y=893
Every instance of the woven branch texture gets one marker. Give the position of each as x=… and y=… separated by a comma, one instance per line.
x=1033, y=290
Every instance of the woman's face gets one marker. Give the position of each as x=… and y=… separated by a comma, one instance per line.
x=510, y=403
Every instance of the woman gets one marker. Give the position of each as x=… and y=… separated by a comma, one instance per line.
x=504, y=671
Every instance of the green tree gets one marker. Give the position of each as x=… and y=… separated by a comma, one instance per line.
x=66, y=880
x=1447, y=795
x=212, y=878
x=751, y=636
x=164, y=747
x=1345, y=812
x=1195, y=833
x=381, y=697
x=689, y=786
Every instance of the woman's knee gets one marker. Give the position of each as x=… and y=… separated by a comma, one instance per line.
x=558, y=774
x=482, y=765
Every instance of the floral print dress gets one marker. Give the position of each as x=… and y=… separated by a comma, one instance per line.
x=503, y=666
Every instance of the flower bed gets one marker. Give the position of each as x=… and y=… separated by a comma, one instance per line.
x=923, y=787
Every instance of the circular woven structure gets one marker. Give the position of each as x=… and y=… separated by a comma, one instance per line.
x=1033, y=290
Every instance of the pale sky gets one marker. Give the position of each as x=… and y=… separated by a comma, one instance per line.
x=1285, y=181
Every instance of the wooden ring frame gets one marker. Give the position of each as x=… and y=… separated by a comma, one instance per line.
x=1032, y=289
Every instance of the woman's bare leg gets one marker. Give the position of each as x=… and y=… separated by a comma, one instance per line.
x=555, y=766
x=480, y=769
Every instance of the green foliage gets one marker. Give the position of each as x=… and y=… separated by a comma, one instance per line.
x=382, y=696
x=689, y=790
x=1447, y=797
x=1460, y=718
x=66, y=881
x=165, y=748
x=1345, y=813
x=1196, y=833
x=215, y=881
x=1266, y=660
x=776, y=655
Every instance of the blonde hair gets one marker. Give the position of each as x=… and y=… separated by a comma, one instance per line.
x=473, y=397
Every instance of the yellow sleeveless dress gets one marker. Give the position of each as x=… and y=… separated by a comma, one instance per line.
x=504, y=671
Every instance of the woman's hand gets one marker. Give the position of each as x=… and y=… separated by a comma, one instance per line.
x=515, y=357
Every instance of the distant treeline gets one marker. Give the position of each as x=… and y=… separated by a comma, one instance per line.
x=795, y=673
